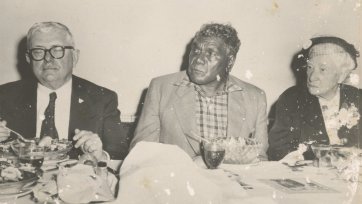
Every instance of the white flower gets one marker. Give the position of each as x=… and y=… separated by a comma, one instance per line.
x=346, y=116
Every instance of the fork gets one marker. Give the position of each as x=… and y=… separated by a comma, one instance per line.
x=18, y=135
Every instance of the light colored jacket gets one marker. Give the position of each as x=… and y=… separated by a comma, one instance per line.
x=169, y=117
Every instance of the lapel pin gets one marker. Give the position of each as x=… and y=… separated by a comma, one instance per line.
x=80, y=100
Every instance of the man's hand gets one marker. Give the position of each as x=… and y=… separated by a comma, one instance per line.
x=4, y=132
x=89, y=142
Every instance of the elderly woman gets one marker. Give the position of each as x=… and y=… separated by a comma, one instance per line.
x=325, y=111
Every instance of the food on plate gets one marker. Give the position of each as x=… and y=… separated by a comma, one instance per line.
x=8, y=171
x=51, y=145
x=14, y=180
x=11, y=174
x=54, y=149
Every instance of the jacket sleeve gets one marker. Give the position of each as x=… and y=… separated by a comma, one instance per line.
x=359, y=131
x=283, y=136
x=114, y=138
x=261, y=126
x=148, y=127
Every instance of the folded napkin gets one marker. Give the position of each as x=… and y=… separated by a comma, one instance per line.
x=293, y=157
x=80, y=184
x=156, y=173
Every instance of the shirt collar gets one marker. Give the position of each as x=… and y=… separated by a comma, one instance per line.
x=61, y=90
x=230, y=85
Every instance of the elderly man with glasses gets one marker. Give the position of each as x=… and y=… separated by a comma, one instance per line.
x=59, y=105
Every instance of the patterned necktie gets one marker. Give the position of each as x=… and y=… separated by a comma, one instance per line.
x=48, y=125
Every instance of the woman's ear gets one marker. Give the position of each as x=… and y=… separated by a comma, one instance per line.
x=343, y=75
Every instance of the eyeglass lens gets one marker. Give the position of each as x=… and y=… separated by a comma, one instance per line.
x=56, y=52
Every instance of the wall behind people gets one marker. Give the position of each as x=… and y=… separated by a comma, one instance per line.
x=124, y=43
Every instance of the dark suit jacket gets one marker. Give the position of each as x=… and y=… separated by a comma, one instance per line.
x=93, y=108
x=299, y=118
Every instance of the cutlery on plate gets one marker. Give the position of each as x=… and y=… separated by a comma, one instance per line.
x=18, y=135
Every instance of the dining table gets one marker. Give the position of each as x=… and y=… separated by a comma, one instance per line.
x=267, y=182
x=274, y=182
x=270, y=182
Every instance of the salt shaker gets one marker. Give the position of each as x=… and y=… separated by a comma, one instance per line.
x=101, y=170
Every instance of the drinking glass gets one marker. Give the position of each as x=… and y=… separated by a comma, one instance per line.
x=213, y=153
x=31, y=154
x=322, y=153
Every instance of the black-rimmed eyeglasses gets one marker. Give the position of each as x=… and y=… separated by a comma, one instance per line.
x=57, y=52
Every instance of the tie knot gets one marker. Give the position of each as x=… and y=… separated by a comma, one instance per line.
x=53, y=96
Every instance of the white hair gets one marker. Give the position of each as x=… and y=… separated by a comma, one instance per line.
x=46, y=27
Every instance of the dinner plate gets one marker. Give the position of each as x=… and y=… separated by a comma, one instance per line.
x=48, y=155
x=54, y=162
x=20, y=193
x=19, y=187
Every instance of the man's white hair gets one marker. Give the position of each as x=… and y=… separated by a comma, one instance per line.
x=46, y=27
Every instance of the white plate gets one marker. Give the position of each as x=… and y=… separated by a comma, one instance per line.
x=22, y=193
x=54, y=162
x=28, y=190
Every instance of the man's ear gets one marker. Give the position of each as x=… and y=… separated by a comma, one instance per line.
x=231, y=60
x=75, y=57
x=27, y=57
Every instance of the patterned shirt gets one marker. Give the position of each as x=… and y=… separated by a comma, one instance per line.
x=211, y=111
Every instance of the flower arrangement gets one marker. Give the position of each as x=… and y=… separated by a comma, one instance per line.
x=346, y=116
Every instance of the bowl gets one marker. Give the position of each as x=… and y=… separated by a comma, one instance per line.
x=237, y=149
x=59, y=151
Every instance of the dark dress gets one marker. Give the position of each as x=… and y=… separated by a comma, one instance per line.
x=299, y=119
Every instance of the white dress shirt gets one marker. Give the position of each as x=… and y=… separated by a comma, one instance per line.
x=62, y=108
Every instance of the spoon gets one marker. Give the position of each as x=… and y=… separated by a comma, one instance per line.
x=199, y=137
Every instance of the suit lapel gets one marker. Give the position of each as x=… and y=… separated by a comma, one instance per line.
x=184, y=107
x=28, y=107
x=236, y=114
x=80, y=109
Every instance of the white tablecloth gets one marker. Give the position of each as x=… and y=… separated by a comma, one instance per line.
x=259, y=192
x=253, y=175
